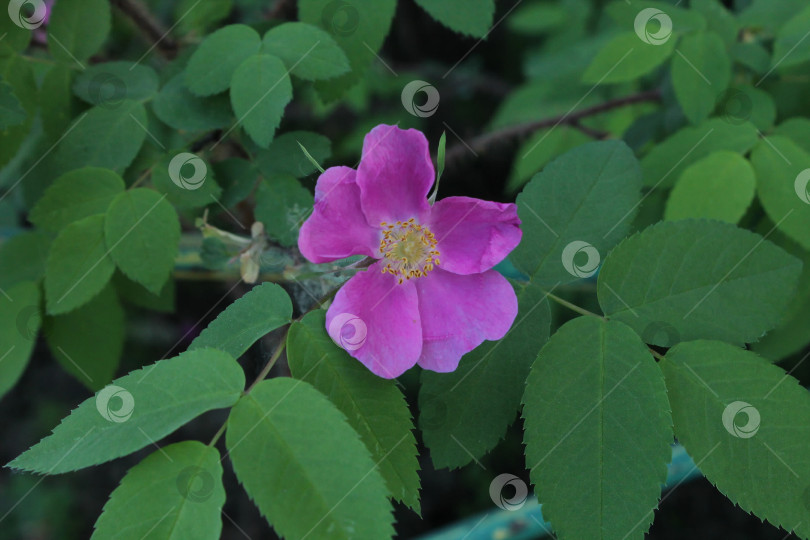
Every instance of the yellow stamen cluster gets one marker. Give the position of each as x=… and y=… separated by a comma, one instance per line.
x=409, y=249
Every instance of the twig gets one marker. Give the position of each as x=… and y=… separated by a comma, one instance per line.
x=481, y=144
x=152, y=28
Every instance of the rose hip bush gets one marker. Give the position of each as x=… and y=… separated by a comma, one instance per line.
x=612, y=254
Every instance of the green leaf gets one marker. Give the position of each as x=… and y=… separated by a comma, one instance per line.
x=667, y=160
x=783, y=185
x=791, y=48
x=142, y=233
x=88, y=341
x=182, y=194
x=374, y=406
x=11, y=111
x=701, y=70
x=20, y=319
x=22, y=258
x=76, y=195
x=470, y=17
x=358, y=26
x=752, y=55
x=464, y=414
x=592, y=477
x=213, y=64
x=18, y=37
x=137, y=410
x=745, y=102
x=78, y=265
x=175, y=492
x=176, y=106
x=719, y=20
x=109, y=83
x=282, y=205
x=104, y=137
x=77, y=29
x=748, y=433
x=625, y=58
x=682, y=20
x=137, y=295
x=285, y=155
x=58, y=106
x=260, y=90
x=770, y=16
x=237, y=177
x=260, y=311
x=20, y=75
x=720, y=186
x=326, y=494
x=798, y=130
x=192, y=15
x=539, y=150
x=700, y=279
x=586, y=197
x=307, y=51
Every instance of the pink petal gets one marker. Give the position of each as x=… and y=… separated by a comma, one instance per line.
x=376, y=320
x=337, y=227
x=395, y=175
x=459, y=312
x=473, y=235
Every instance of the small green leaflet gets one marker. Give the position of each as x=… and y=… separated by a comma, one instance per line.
x=104, y=137
x=625, y=58
x=142, y=234
x=20, y=319
x=137, y=410
x=439, y=166
x=791, y=48
x=206, y=192
x=692, y=279
x=718, y=19
x=257, y=313
x=593, y=479
x=683, y=20
x=175, y=492
x=176, y=106
x=359, y=27
x=582, y=203
x=78, y=266
x=308, y=51
x=471, y=17
x=57, y=103
x=88, y=341
x=211, y=67
x=327, y=494
x=260, y=90
x=23, y=258
x=109, y=83
x=796, y=129
x=701, y=70
x=783, y=185
x=464, y=414
x=720, y=186
x=283, y=205
x=374, y=406
x=76, y=195
x=663, y=165
x=541, y=148
x=298, y=153
x=77, y=29
x=11, y=111
x=748, y=434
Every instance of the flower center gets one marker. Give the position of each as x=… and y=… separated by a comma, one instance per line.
x=409, y=249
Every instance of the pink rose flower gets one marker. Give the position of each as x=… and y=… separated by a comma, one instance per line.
x=432, y=295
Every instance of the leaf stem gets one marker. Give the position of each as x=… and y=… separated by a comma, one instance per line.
x=574, y=307
x=270, y=363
